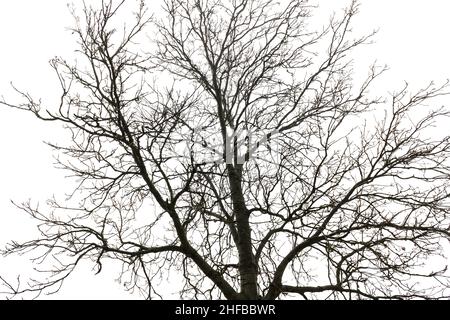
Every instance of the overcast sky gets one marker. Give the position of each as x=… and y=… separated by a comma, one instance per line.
x=413, y=40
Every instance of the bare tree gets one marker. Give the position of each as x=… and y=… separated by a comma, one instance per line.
x=233, y=147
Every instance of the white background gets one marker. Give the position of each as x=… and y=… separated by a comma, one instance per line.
x=413, y=40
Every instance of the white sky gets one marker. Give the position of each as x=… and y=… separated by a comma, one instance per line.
x=413, y=40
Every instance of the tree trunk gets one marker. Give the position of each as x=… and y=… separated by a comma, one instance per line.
x=247, y=265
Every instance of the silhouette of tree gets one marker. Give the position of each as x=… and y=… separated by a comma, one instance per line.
x=232, y=146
